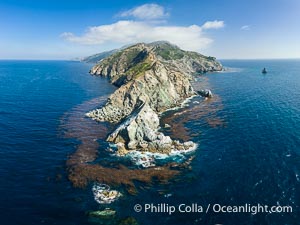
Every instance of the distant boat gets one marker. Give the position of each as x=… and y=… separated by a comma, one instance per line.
x=264, y=70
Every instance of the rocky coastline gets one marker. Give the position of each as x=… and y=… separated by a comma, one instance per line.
x=151, y=78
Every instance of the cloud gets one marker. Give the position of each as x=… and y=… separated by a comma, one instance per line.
x=245, y=27
x=127, y=32
x=146, y=12
x=217, y=24
x=146, y=26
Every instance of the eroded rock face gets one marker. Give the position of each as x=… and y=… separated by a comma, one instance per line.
x=162, y=87
x=140, y=131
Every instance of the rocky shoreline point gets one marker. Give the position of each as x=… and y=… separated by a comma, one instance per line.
x=151, y=79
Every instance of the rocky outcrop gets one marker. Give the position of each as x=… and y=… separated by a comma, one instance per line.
x=151, y=79
x=140, y=131
x=103, y=214
x=160, y=86
x=206, y=93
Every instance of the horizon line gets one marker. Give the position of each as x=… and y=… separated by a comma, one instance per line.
x=53, y=59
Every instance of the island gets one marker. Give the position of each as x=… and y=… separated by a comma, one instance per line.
x=151, y=78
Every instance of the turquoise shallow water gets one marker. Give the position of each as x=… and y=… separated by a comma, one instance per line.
x=248, y=136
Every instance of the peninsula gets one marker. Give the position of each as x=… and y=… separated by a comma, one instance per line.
x=151, y=78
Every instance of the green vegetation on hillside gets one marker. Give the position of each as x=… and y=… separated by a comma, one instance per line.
x=138, y=69
x=169, y=52
x=132, y=62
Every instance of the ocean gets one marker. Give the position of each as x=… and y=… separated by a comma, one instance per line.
x=248, y=152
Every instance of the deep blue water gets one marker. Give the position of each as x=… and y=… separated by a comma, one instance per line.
x=251, y=156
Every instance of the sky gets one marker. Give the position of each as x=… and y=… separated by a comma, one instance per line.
x=231, y=29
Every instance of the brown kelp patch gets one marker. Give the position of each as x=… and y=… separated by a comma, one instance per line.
x=200, y=109
x=81, y=165
x=81, y=174
x=216, y=122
